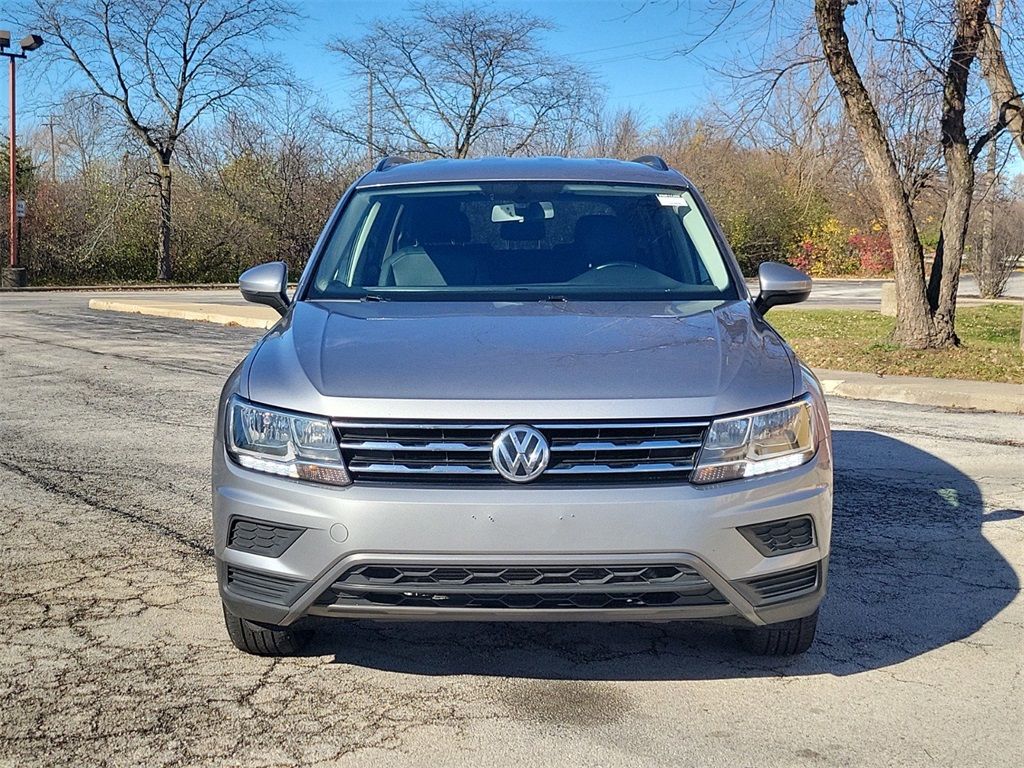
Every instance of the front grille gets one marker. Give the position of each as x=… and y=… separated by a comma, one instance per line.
x=518, y=587
x=261, y=537
x=783, y=586
x=262, y=586
x=781, y=536
x=461, y=453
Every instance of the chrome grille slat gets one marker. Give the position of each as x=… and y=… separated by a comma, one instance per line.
x=617, y=451
x=647, y=445
x=447, y=469
x=498, y=426
x=397, y=425
x=374, y=445
x=587, y=469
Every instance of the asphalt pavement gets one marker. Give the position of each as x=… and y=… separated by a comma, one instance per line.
x=114, y=653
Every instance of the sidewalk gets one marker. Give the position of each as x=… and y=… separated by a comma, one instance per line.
x=943, y=393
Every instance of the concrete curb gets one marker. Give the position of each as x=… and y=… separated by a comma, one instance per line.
x=244, y=316
x=942, y=393
x=123, y=288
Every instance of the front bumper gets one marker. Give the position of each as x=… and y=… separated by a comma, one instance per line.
x=695, y=529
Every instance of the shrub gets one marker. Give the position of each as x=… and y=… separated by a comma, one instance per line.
x=874, y=251
x=825, y=251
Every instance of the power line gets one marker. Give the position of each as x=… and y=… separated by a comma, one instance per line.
x=665, y=52
x=687, y=87
x=620, y=45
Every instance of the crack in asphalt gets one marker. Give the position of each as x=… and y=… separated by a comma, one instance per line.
x=175, y=366
x=163, y=530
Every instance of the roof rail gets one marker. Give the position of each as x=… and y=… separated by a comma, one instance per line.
x=654, y=161
x=391, y=161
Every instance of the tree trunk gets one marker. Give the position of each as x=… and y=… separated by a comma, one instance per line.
x=1000, y=84
x=914, y=325
x=163, y=253
x=945, y=276
x=985, y=264
x=1004, y=93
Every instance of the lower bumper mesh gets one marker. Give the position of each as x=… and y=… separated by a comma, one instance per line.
x=261, y=537
x=534, y=587
x=780, y=537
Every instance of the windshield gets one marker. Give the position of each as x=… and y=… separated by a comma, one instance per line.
x=521, y=241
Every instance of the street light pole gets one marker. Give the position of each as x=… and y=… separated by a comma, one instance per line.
x=14, y=276
x=13, y=168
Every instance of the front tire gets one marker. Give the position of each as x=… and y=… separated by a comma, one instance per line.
x=786, y=638
x=265, y=639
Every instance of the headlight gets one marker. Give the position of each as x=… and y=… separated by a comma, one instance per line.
x=757, y=443
x=286, y=444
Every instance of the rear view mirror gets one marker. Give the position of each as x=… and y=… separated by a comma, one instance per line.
x=266, y=284
x=780, y=284
x=519, y=212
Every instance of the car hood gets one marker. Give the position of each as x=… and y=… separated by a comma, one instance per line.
x=537, y=359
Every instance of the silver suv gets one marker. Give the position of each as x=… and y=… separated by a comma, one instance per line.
x=522, y=390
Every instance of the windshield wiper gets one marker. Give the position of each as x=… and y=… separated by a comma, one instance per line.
x=373, y=297
x=555, y=298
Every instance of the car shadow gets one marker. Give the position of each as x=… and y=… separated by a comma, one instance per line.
x=911, y=571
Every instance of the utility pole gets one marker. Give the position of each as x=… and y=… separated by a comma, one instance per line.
x=369, y=121
x=53, y=154
x=12, y=165
x=14, y=275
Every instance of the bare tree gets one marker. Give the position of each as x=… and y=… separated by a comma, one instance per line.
x=164, y=64
x=457, y=77
x=1001, y=235
x=926, y=310
x=620, y=134
x=1007, y=97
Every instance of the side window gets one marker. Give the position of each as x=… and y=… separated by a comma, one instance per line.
x=342, y=245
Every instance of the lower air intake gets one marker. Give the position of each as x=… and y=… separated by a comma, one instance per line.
x=261, y=586
x=517, y=587
x=785, y=585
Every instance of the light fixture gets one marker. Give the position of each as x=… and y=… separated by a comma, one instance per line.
x=31, y=42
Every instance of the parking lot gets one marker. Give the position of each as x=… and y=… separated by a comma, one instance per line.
x=113, y=651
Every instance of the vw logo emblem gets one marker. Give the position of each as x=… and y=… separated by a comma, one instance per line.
x=520, y=454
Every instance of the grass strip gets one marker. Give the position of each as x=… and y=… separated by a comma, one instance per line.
x=849, y=340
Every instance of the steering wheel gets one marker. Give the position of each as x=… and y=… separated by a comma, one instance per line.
x=630, y=264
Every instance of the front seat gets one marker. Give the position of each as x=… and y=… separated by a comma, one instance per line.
x=435, y=250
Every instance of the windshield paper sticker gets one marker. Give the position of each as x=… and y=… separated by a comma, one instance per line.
x=673, y=201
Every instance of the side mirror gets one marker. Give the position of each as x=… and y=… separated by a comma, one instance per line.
x=780, y=284
x=266, y=284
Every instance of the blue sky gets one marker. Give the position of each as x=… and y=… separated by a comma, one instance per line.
x=628, y=45
x=631, y=46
